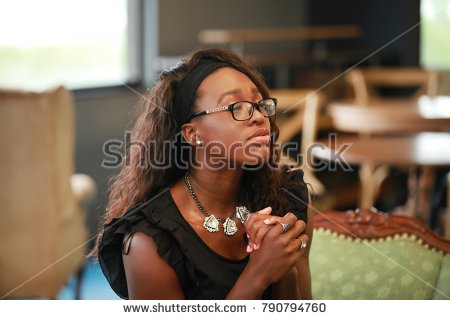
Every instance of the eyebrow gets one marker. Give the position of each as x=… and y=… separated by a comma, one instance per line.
x=255, y=92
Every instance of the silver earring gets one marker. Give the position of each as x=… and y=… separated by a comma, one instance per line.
x=198, y=142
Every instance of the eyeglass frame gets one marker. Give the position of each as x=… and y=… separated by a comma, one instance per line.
x=230, y=108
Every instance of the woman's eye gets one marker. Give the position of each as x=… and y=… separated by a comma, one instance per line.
x=238, y=106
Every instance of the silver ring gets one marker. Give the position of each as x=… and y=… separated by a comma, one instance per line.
x=304, y=244
x=285, y=227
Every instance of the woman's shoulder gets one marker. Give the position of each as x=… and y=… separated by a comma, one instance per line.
x=293, y=179
x=152, y=218
x=146, y=216
x=297, y=190
x=292, y=172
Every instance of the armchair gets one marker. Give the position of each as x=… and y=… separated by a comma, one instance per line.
x=364, y=254
x=42, y=230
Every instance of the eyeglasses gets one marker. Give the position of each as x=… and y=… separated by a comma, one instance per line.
x=243, y=110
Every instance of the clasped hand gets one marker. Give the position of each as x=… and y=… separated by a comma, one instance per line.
x=275, y=243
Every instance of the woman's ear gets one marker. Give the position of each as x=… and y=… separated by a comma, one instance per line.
x=189, y=133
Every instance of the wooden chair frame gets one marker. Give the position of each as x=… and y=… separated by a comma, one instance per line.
x=371, y=224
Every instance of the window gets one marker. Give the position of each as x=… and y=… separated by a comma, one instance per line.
x=435, y=39
x=77, y=43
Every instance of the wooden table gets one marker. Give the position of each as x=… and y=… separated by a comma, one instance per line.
x=422, y=149
x=426, y=149
x=392, y=115
x=238, y=38
x=229, y=36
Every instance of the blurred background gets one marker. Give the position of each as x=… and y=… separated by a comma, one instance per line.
x=106, y=54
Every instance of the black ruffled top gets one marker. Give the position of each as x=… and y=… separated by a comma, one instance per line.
x=202, y=273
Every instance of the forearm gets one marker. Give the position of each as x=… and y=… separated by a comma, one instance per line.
x=304, y=279
x=247, y=287
x=287, y=287
x=303, y=270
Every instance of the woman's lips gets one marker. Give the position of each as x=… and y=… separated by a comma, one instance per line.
x=260, y=139
x=260, y=136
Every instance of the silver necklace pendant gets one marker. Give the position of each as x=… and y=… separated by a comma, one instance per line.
x=229, y=227
x=211, y=224
x=242, y=213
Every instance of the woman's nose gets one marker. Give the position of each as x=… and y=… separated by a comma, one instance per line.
x=257, y=116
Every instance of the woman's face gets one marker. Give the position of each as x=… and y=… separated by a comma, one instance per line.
x=224, y=139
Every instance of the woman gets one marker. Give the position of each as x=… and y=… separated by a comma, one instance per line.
x=178, y=223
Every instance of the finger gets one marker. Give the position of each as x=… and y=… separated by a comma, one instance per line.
x=267, y=210
x=253, y=223
x=289, y=225
x=252, y=230
x=263, y=229
x=286, y=223
x=272, y=220
x=289, y=218
x=294, y=248
x=299, y=246
x=295, y=244
x=296, y=230
x=304, y=242
x=254, y=216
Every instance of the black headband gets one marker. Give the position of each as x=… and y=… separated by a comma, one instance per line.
x=183, y=100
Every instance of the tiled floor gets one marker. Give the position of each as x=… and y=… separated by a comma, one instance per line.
x=93, y=287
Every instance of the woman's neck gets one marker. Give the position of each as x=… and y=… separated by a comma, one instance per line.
x=217, y=190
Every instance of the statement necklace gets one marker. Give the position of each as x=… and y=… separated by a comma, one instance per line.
x=211, y=223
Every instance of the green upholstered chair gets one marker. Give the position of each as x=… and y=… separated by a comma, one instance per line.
x=364, y=254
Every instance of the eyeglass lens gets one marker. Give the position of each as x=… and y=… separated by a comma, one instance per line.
x=244, y=110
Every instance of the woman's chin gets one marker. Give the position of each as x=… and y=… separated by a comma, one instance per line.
x=258, y=155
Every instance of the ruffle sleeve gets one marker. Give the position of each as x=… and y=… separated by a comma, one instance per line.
x=147, y=220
